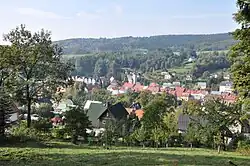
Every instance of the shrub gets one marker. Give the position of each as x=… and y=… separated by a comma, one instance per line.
x=45, y=111
x=58, y=133
x=244, y=147
x=23, y=133
x=39, y=130
x=43, y=125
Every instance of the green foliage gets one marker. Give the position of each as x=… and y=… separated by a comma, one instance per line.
x=240, y=52
x=193, y=135
x=102, y=95
x=25, y=134
x=76, y=123
x=36, y=65
x=211, y=121
x=142, y=44
x=244, y=147
x=58, y=132
x=45, y=110
x=43, y=125
x=210, y=62
x=145, y=97
x=5, y=109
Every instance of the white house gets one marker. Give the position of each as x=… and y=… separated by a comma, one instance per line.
x=226, y=86
x=202, y=85
x=176, y=83
x=189, y=78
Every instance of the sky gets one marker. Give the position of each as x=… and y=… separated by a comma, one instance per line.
x=116, y=18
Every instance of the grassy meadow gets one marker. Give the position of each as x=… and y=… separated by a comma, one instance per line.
x=67, y=154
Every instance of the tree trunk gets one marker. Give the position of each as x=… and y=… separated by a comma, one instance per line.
x=74, y=139
x=2, y=122
x=28, y=105
x=218, y=149
x=191, y=146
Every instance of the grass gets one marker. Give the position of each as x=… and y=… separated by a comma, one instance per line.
x=183, y=69
x=67, y=154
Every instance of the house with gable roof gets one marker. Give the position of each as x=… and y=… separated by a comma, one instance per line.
x=100, y=113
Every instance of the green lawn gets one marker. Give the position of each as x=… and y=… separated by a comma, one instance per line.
x=67, y=154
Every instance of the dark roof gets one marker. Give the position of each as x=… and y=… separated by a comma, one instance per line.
x=44, y=100
x=226, y=83
x=117, y=110
x=94, y=112
x=136, y=106
x=183, y=122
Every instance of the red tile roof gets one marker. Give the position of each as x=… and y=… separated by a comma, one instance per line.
x=128, y=85
x=138, y=87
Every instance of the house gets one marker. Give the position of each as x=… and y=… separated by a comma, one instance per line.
x=189, y=78
x=63, y=106
x=14, y=115
x=167, y=75
x=191, y=59
x=176, y=83
x=138, y=87
x=226, y=76
x=226, y=86
x=225, y=97
x=128, y=85
x=138, y=113
x=202, y=85
x=100, y=113
x=154, y=88
x=166, y=85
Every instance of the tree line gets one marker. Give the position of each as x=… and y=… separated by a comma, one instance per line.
x=116, y=63
x=210, y=42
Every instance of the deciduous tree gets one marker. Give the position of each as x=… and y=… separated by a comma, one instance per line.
x=37, y=65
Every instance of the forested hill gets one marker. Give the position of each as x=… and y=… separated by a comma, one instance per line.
x=211, y=42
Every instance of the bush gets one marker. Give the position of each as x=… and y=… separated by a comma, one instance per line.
x=58, y=133
x=43, y=125
x=244, y=147
x=37, y=132
x=23, y=133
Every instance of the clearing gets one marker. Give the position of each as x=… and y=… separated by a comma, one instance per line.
x=67, y=154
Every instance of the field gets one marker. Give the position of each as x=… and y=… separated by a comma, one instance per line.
x=67, y=154
x=183, y=69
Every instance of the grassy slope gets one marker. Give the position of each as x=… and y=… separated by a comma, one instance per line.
x=67, y=155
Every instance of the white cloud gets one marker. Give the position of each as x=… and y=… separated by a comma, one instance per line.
x=39, y=13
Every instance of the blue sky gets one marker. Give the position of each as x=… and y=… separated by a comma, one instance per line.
x=114, y=18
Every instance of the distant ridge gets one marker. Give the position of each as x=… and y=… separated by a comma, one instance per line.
x=199, y=42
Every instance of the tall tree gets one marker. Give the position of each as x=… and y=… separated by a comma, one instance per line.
x=240, y=52
x=37, y=65
x=5, y=108
x=76, y=123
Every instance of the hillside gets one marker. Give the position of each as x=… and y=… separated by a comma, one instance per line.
x=211, y=42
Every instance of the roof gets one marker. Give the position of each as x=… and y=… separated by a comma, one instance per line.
x=118, y=111
x=88, y=103
x=202, y=83
x=64, y=105
x=128, y=85
x=139, y=113
x=94, y=112
x=226, y=83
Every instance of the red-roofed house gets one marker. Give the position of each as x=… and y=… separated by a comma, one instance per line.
x=128, y=85
x=154, y=88
x=138, y=87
